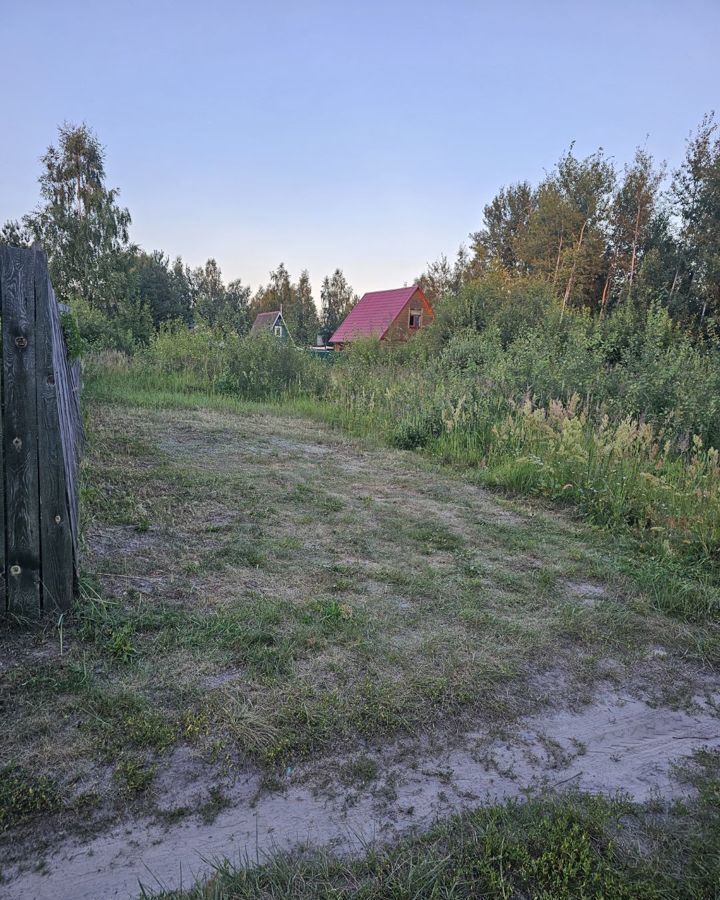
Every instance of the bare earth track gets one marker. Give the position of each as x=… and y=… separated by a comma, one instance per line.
x=298, y=638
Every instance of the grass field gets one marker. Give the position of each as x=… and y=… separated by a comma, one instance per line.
x=264, y=593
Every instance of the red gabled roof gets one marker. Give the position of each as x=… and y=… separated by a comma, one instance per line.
x=373, y=314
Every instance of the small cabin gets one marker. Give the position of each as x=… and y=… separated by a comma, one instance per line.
x=387, y=315
x=271, y=322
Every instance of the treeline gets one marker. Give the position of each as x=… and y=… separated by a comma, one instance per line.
x=601, y=237
x=120, y=294
x=594, y=236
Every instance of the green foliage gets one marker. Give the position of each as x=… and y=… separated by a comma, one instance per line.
x=199, y=352
x=94, y=329
x=74, y=342
x=165, y=289
x=598, y=238
x=79, y=222
x=261, y=367
x=337, y=299
x=295, y=301
x=618, y=415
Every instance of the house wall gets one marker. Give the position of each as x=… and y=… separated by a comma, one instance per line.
x=400, y=329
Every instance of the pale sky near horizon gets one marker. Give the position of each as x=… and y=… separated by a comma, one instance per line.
x=365, y=135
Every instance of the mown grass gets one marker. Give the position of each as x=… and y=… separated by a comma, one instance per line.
x=615, y=481
x=557, y=848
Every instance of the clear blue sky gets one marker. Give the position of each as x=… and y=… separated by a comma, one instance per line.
x=366, y=135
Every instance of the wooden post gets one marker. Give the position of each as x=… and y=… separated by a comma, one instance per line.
x=22, y=499
x=56, y=548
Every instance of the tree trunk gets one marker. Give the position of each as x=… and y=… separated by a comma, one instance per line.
x=557, y=261
x=603, y=299
x=633, y=259
x=571, y=279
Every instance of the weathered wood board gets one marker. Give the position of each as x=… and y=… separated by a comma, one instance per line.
x=41, y=441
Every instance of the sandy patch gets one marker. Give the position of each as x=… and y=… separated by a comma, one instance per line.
x=615, y=744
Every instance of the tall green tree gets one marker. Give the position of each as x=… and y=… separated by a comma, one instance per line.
x=633, y=216
x=505, y=219
x=301, y=316
x=696, y=192
x=586, y=186
x=181, y=288
x=79, y=221
x=278, y=294
x=442, y=279
x=558, y=231
x=237, y=306
x=152, y=281
x=337, y=298
x=208, y=292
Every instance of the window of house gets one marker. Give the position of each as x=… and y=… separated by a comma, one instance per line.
x=278, y=330
x=415, y=317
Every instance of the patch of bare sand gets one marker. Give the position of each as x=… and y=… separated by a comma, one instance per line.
x=615, y=744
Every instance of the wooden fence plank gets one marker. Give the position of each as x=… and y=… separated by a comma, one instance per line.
x=56, y=546
x=22, y=502
x=71, y=429
x=3, y=592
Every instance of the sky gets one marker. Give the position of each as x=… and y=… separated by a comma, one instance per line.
x=365, y=135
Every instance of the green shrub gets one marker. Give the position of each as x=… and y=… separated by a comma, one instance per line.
x=260, y=367
x=130, y=329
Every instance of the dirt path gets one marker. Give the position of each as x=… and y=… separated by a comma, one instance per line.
x=613, y=745
x=307, y=640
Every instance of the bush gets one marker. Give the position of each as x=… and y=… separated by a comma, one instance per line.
x=129, y=330
x=199, y=351
x=260, y=367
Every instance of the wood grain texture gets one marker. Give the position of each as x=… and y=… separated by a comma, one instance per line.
x=67, y=376
x=3, y=576
x=56, y=546
x=42, y=439
x=22, y=500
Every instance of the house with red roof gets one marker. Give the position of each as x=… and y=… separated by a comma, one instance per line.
x=388, y=315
